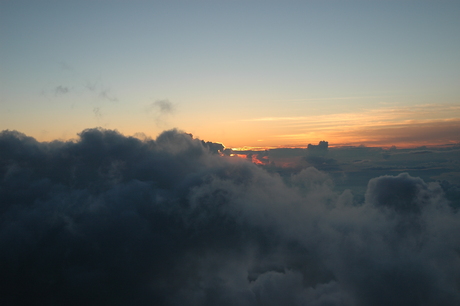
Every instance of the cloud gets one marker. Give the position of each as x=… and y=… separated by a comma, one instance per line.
x=402, y=193
x=101, y=91
x=97, y=90
x=160, y=109
x=65, y=66
x=61, y=90
x=97, y=112
x=164, y=107
x=110, y=219
x=107, y=95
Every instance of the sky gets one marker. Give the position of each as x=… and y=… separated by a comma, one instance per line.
x=115, y=188
x=242, y=73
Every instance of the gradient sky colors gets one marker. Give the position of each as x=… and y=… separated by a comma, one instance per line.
x=244, y=73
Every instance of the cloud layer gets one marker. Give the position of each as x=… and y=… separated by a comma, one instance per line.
x=110, y=219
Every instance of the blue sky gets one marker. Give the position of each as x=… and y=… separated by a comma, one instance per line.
x=231, y=71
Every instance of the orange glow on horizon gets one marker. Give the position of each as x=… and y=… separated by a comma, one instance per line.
x=403, y=127
x=408, y=127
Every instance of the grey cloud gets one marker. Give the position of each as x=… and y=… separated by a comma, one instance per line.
x=160, y=110
x=164, y=106
x=97, y=112
x=66, y=66
x=107, y=95
x=60, y=90
x=216, y=148
x=91, y=86
x=402, y=193
x=110, y=219
x=101, y=91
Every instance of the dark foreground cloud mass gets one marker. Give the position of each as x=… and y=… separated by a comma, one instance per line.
x=113, y=220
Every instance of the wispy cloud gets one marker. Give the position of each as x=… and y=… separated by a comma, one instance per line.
x=78, y=86
x=409, y=133
x=428, y=122
x=427, y=111
x=101, y=91
x=160, y=110
x=106, y=94
x=65, y=66
x=331, y=98
x=97, y=112
x=161, y=106
x=61, y=90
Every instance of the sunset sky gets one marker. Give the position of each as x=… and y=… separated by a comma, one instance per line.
x=90, y=215
x=243, y=73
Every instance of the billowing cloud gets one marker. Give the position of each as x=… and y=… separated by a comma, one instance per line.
x=110, y=219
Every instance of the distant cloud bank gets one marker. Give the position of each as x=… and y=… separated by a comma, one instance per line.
x=115, y=220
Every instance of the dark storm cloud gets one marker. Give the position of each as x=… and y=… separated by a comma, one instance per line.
x=110, y=219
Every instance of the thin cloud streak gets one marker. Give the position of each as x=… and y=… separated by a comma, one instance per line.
x=408, y=134
x=331, y=99
x=388, y=114
x=371, y=126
